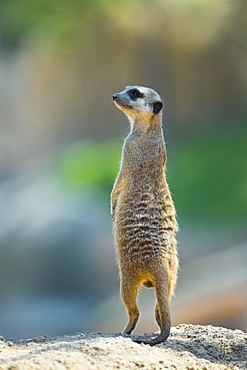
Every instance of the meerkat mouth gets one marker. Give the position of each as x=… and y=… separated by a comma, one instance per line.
x=123, y=106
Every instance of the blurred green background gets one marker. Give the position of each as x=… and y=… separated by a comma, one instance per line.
x=61, y=139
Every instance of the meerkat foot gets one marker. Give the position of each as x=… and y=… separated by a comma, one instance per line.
x=162, y=337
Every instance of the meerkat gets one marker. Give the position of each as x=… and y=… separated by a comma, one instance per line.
x=144, y=217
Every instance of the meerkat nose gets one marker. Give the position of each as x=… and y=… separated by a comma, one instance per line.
x=115, y=96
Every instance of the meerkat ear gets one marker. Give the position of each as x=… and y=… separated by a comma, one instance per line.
x=157, y=106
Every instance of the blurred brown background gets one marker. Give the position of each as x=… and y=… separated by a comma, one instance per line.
x=61, y=138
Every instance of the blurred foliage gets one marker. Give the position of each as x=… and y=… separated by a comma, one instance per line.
x=71, y=22
x=209, y=178
x=90, y=164
x=211, y=164
x=66, y=22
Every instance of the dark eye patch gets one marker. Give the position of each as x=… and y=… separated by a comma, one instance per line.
x=135, y=94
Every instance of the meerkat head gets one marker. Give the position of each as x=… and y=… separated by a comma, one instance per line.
x=138, y=103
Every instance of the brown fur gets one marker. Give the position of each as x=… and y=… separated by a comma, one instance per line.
x=143, y=214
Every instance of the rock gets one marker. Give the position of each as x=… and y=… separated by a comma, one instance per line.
x=189, y=347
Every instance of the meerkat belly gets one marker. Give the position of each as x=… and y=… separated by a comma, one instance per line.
x=145, y=225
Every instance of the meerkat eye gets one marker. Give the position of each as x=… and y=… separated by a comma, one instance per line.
x=135, y=94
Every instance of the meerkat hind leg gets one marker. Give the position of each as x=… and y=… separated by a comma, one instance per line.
x=162, y=313
x=129, y=290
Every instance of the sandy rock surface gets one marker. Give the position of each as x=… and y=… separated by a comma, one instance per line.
x=190, y=347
